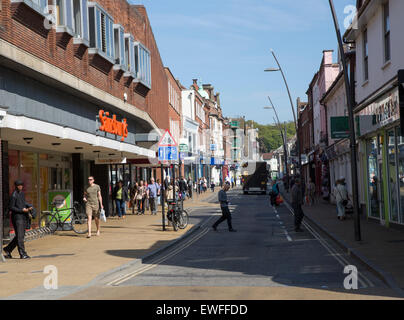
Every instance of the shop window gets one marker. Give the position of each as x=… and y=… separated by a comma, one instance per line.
x=392, y=167
x=373, y=176
x=400, y=165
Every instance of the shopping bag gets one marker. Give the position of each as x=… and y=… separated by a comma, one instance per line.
x=279, y=200
x=102, y=215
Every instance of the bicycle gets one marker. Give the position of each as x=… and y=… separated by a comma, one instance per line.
x=53, y=219
x=178, y=216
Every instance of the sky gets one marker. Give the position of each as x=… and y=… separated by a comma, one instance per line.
x=227, y=44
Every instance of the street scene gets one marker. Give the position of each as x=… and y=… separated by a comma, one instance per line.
x=172, y=151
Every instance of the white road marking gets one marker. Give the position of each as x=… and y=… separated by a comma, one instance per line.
x=341, y=260
x=148, y=267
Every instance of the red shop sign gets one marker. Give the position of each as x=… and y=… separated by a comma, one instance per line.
x=113, y=126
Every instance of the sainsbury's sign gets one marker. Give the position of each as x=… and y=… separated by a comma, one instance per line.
x=113, y=126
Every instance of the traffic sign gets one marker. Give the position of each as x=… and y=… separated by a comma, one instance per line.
x=183, y=147
x=167, y=140
x=168, y=153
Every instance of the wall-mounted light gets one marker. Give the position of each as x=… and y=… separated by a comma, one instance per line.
x=28, y=140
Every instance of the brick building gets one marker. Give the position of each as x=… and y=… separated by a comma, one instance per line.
x=82, y=85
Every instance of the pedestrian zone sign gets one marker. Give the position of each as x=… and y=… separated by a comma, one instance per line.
x=168, y=148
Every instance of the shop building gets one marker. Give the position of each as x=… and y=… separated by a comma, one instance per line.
x=79, y=98
x=379, y=56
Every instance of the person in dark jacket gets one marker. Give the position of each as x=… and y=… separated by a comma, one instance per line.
x=120, y=195
x=224, y=205
x=297, y=202
x=183, y=185
x=20, y=211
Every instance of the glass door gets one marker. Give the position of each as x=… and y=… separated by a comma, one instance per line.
x=373, y=178
x=380, y=140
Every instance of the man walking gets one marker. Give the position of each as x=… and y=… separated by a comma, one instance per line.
x=153, y=192
x=297, y=201
x=19, y=217
x=93, y=200
x=224, y=205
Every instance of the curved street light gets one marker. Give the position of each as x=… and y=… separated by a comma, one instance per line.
x=290, y=99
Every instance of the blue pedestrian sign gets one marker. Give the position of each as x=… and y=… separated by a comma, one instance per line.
x=168, y=148
x=168, y=153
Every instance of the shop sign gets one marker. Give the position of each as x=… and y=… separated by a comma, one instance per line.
x=184, y=147
x=379, y=114
x=110, y=161
x=112, y=125
x=339, y=127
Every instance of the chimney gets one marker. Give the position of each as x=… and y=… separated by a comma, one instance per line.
x=195, y=84
x=209, y=89
x=217, y=98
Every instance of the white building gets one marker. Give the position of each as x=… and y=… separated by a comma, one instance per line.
x=378, y=40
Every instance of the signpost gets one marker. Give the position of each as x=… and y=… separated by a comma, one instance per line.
x=168, y=152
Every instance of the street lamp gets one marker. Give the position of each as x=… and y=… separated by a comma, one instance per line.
x=350, y=101
x=284, y=139
x=290, y=99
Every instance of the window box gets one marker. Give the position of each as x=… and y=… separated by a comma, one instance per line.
x=101, y=50
x=32, y=14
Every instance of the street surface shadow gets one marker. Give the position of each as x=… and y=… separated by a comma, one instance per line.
x=53, y=255
x=136, y=253
x=258, y=255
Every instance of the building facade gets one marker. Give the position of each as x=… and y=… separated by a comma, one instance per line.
x=78, y=96
x=379, y=56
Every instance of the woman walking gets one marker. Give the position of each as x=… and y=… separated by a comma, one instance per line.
x=341, y=197
x=133, y=197
x=311, y=190
x=121, y=196
x=141, y=197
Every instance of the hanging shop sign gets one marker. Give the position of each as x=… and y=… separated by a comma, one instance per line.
x=379, y=113
x=339, y=128
x=112, y=125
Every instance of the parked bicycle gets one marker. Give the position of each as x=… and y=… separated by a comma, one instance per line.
x=56, y=218
x=177, y=215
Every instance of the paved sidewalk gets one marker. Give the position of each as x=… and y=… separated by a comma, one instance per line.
x=381, y=248
x=79, y=260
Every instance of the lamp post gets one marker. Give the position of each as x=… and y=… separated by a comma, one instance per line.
x=351, y=126
x=284, y=140
x=290, y=99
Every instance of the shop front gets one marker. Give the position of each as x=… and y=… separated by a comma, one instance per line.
x=52, y=140
x=382, y=159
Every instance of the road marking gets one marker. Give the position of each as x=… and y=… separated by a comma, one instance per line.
x=341, y=260
x=154, y=264
x=287, y=236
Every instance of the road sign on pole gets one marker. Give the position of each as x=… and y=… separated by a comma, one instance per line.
x=168, y=148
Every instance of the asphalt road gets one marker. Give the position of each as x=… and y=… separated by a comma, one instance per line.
x=265, y=259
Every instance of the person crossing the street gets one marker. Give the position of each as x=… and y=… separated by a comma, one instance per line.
x=224, y=205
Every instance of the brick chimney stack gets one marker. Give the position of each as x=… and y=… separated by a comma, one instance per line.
x=209, y=89
x=195, y=84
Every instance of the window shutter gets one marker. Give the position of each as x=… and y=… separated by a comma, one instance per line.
x=99, y=29
x=122, y=47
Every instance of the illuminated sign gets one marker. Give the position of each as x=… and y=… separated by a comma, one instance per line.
x=113, y=126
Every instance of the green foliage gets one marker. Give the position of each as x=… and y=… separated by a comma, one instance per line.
x=269, y=136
